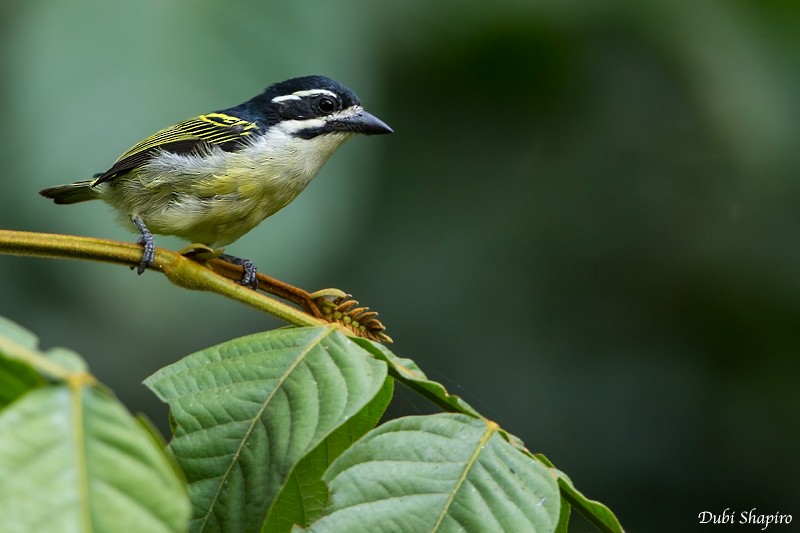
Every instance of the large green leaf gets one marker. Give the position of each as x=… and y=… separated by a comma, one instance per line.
x=247, y=411
x=305, y=495
x=445, y=472
x=73, y=459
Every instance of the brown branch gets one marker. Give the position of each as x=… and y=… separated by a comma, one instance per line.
x=212, y=275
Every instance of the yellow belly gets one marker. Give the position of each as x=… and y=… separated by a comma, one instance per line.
x=216, y=198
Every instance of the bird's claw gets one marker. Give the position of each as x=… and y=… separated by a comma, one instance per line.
x=148, y=256
x=250, y=278
x=146, y=240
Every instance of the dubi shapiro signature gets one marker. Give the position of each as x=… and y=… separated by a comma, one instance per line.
x=751, y=517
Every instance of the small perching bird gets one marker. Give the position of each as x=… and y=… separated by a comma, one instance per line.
x=213, y=178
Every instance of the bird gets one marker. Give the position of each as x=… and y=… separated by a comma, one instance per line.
x=213, y=178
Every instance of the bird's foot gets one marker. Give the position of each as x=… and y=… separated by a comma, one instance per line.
x=148, y=242
x=249, y=278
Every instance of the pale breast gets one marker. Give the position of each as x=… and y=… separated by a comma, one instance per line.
x=217, y=197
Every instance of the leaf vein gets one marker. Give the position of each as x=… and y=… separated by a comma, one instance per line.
x=490, y=429
x=301, y=357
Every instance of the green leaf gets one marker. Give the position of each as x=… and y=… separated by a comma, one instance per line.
x=563, y=518
x=16, y=379
x=595, y=512
x=445, y=472
x=247, y=411
x=407, y=372
x=17, y=334
x=305, y=494
x=20, y=346
x=67, y=359
x=73, y=459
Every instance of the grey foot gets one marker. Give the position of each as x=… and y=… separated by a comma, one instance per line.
x=148, y=242
x=249, y=278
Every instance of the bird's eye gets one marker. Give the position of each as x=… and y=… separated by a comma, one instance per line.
x=326, y=105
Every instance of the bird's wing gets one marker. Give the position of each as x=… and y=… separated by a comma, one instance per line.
x=190, y=136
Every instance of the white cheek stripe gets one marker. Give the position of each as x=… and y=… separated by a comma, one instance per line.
x=293, y=126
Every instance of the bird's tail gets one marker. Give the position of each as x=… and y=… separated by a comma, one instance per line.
x=72, y=193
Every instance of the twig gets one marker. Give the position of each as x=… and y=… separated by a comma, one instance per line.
x=213, y=275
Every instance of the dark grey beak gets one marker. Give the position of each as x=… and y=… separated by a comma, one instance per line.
x=364, y=123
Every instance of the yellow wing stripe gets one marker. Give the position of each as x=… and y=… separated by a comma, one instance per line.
x=214, y=128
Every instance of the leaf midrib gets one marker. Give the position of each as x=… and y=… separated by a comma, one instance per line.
x=300, y=358
x=79, y=442
x=490, y=430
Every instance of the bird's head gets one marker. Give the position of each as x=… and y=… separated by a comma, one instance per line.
x=313, y=106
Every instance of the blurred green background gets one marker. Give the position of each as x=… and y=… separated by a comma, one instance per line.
x=586, y=223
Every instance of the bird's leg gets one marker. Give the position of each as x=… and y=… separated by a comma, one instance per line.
x=147, y=241
x=249, y=278
x=203, y=253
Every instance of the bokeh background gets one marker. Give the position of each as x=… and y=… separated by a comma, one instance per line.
x=586, y=223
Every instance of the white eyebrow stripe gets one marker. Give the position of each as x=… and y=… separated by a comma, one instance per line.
x=314, y=92
x=279, y=99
